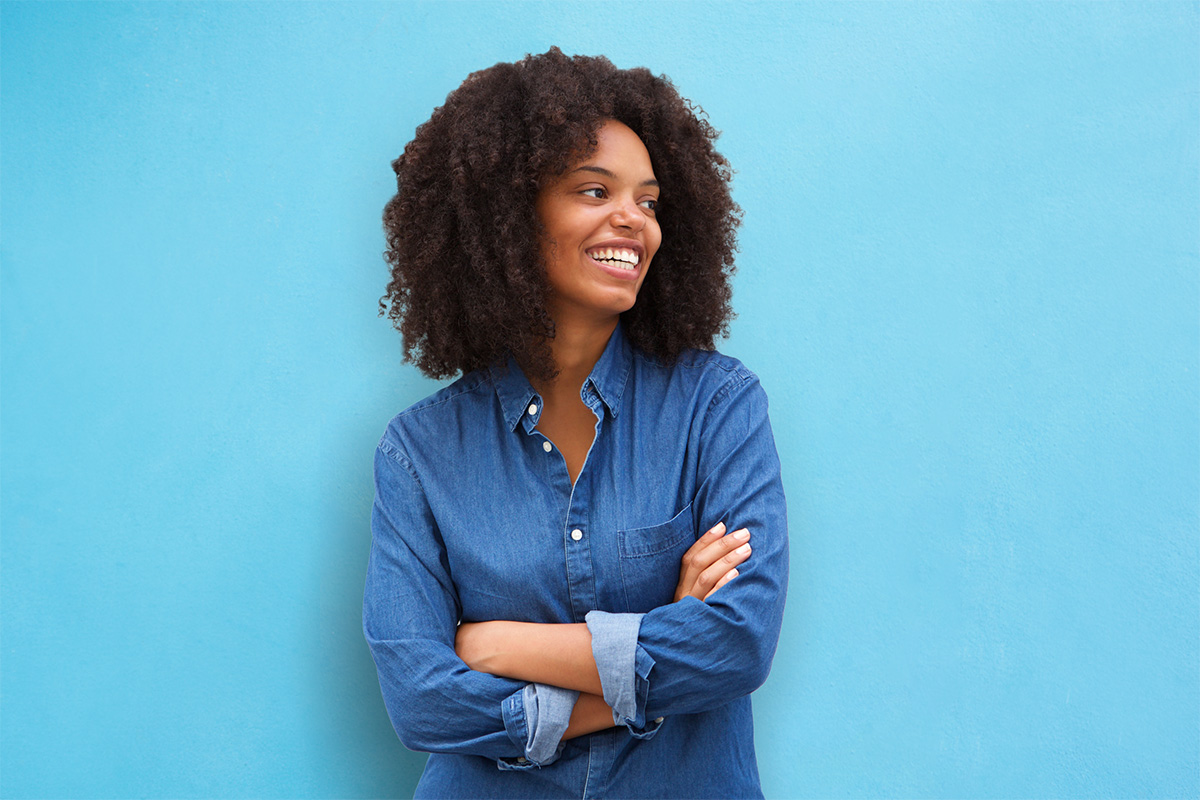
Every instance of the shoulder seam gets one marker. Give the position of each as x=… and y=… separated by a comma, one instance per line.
x=422, y=405
x=400, y=458
x=738, y=377
x=713, y=359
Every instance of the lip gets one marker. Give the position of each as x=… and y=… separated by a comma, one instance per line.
x=617, y=272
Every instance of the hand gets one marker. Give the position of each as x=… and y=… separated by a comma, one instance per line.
x=711, y=562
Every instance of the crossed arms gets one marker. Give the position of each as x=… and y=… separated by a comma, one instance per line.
x=561, y=654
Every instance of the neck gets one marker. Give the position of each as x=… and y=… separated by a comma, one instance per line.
x=576, y=348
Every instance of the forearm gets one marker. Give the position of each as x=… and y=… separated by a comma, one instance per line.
x=591, y=714
x=554, y=654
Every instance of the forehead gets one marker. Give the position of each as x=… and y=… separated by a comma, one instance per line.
x=619, y=150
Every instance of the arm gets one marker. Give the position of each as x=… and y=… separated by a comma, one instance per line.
x=727, y=643
x=561, y=654
x=590, y=714
x=695, y=655
x=410, y=611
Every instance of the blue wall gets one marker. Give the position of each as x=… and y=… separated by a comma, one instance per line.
x=968, y=280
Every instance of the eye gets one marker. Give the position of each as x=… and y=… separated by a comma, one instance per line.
x=599, y=192
x=650, y=204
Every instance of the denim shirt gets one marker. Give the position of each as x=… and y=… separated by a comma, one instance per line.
x=475, y=518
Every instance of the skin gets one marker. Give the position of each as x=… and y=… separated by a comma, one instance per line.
x=610, y=196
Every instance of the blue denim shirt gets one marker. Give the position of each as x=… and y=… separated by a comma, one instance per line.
x=475, y=518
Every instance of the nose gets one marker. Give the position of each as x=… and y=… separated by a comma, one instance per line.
x=626, y=214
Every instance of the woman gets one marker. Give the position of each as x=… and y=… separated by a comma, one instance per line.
x=563, y=235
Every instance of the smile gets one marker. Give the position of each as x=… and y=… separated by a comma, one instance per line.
x=621, y=258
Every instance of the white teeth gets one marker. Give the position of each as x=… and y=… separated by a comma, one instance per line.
x=617, y=257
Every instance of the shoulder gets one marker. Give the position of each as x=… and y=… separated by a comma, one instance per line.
x=471, y=394
x=709, y=375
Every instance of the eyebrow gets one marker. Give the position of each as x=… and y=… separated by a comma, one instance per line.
x=610, y=174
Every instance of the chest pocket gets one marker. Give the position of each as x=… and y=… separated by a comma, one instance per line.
x=650, y=560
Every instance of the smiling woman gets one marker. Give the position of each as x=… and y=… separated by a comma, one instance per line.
x=579, y=551
x=468, y=284
x=600, y=227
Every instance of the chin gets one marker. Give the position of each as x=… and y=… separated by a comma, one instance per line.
x=622, y=307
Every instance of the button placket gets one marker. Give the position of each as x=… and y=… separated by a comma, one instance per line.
x=581, y=575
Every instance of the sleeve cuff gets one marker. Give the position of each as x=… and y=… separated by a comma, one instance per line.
x=535, y=718
x=624, y=668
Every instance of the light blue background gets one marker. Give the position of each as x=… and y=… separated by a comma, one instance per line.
x=968, y=280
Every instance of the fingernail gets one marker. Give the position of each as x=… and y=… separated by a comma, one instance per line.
x=743, y=550
x=718, y=529
x=742, y=535
x=733, y=573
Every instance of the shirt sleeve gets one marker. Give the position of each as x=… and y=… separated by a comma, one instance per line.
x=624, y=669
x=437, y=704
x=692, y=655
x=548, y=712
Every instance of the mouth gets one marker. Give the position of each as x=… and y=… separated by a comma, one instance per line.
x=623, y=257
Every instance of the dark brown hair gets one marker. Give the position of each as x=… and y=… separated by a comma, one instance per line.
x=468, y=283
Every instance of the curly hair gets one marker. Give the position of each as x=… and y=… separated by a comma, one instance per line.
x=468, y=282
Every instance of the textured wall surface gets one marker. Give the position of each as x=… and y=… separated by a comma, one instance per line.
x=968, y=280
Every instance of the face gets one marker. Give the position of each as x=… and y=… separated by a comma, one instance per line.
x=599, y=228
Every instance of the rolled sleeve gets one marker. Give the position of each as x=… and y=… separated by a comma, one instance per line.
x=536, y=719
x=517, y=719
x=624, y=668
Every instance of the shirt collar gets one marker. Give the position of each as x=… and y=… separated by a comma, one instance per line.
x=514, y=391
x=612, y=370
x=607, y=378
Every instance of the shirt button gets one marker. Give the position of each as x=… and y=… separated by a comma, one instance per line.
x=577, y=534
x=658, y=721
x=532, y=409
x=547, y=446
x=521, y=759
